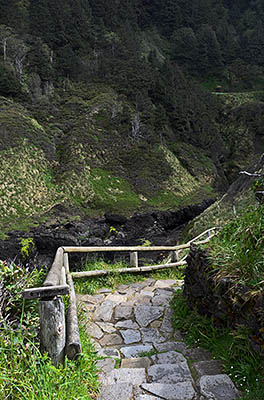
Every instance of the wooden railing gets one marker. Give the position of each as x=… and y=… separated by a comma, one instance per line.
x=59, y=333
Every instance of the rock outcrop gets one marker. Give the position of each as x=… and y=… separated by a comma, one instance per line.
x=153, y=228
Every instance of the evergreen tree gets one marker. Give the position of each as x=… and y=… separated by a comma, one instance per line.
x=185, y=47
x=40, y=59
x=14, y=13
x=209, y=54
x=9, y=85
x=229, y=41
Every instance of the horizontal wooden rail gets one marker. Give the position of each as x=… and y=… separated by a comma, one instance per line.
x=128, y=248
x=54, y=275
x=86, y=274
x=46, y=291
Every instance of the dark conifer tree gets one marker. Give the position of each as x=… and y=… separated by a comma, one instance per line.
x=209, y=55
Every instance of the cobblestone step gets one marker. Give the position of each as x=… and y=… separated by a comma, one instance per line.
x=143, y=357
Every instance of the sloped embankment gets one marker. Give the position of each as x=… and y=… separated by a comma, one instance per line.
x=226, y=282
x=81, y=149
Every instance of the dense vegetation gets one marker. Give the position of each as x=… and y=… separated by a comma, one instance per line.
x=237, y=258
x=25, y=373
x=238, y=250
x=119, y=90
x=93, y=39
x=108, y=106
x=240, y=362
x=21, y=361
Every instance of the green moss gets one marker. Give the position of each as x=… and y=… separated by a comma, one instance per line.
x=112, y=193
x=181, y=188
x=165, y=200
x=236, y=99
x=21, y=223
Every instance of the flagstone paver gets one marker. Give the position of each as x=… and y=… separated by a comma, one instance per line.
x=134, y=325
x=136, y=375
x=133, y=351
x=129, y=324
x=142, y=362
x=170, y=373
x=179, y=391
x=106, y=327
x=145, y=314
x=130, y=336
x=110, y=339
x=103, y=312
x=94, y=331
x=151, y=335
x=218, y=387
x=169, y=357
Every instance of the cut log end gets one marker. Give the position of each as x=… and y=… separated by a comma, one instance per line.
x=73, y=351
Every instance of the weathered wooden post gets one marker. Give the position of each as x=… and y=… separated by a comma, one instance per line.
x=134, y=259
x=52, y=315
x=174, y=256
x=73, y=341
x=52, y=328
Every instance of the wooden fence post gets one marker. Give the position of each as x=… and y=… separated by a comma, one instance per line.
x=174, y=256
x=54, y=275
x=73, y=341
x=134, y=259
x=52, y=328
x=52, y=315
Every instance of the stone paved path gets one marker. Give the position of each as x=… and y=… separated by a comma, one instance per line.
x=143, y=357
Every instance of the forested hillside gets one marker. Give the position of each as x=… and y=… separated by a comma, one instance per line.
x=126, y=105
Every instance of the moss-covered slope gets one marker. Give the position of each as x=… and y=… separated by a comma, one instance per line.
x=90, y=149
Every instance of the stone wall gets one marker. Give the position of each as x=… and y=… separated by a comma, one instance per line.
x=229, y=303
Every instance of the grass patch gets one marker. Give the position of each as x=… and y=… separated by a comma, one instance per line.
x=111, y=192
x=166, y=200
x=31, y=173
x=238, y=250
x=112, y=281
x=244, y=367
x=24, y=372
